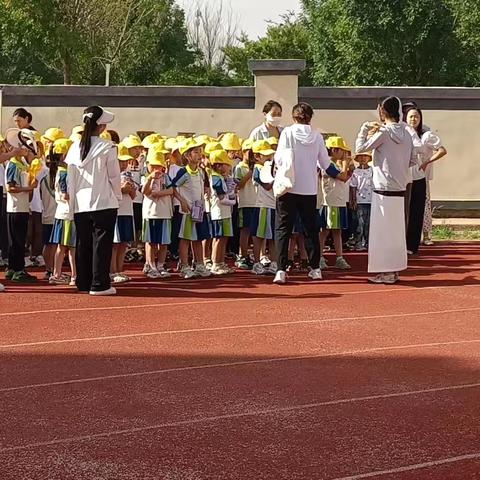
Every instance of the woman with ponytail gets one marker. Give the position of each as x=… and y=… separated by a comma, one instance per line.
x=393, y=155
x=94, y=193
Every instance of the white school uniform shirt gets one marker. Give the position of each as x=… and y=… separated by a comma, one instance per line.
x=190, y=185
x=158, y=208
x=393, y=155
x=17, y=174
x=173, y=169
x=63, y=211
x=125, y=207
x=265, y=198
x=94, y=183
x=36, y=204
x=48, y=201
x=362, y=180
x=261, y=132
x=431, y=142
x=219, y=189
x=335, y=192
x=247, y=196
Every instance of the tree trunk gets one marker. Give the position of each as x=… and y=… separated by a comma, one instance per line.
x=67, y=69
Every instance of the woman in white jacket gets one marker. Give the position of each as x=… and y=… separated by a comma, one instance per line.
x=94, y=191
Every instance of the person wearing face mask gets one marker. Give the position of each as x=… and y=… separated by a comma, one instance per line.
x=271, y=126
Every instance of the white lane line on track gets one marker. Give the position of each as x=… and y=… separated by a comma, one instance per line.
x=409, y=468
x=234, y=364
x=321, y=295
x=235, y=327
x=254, y=413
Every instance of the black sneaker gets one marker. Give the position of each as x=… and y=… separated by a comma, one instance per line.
x=23, y=277
x=9, y=274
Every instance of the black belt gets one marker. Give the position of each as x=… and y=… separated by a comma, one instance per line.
x=387, y=193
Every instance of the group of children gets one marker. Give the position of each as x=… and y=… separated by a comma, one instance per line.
x=187, y=198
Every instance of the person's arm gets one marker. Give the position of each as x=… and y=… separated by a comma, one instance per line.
x=241, y=177
x=12, y=181
x=178, y=181
x=256, y=179
x=363, y=143
x=353, y=192
x=323, y=160
x=440, y=153
x=113, y=173
x=15, y=152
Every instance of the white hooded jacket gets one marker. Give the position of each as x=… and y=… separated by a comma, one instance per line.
x=94, y=183
x=309, y=154
x=393, y=155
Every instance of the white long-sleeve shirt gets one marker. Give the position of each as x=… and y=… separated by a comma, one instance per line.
x=94, y=183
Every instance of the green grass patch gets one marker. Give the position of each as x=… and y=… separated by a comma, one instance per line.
x=446, y=232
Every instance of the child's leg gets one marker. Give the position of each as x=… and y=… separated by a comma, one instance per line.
x=217, y=254
x=272, y=253
x=244, y=241
x=258, y=248
x=207, y=246
x=338, y=242
x=121, y=250
x=59, y=257
x=49, y=257
x=150, y=251
x=162, y=254
x=223, y=248
x=71, y=259
x=197, y=248
x=183, y=251
x=323, y=238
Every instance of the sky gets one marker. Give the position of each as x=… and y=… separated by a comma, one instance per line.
x=253, y=14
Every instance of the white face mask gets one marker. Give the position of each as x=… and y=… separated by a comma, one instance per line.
x=273, y=121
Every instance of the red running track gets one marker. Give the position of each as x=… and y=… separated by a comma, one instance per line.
x=234, y=378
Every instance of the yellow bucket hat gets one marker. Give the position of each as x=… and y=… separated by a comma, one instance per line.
x=132, y=141
x=156, y=156
x=61, y=146
x=272, y=140
x=159, y=146
x=262, y=147
x=188, y=144
x=123, y=154
x=171, y=144
x=211, y=147
x=230, y=141
x=247, y=144
x=53, y=134
x=203, y=139
x=337, y=142
x=150, y=140
x=220, y=156
x=106, y=135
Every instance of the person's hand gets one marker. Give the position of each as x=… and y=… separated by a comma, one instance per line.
x=34, y=184
x=185, y=206
x=19, y=152
x=424, y=166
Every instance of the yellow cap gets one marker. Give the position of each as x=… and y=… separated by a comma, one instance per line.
x=171, y=144
x=156, y=156
x=132, y=141
x=230, y=141
x=160, y=146
x=188, y=144
x=53, y=134
x=151, y=140
x=220, y=156
x=212, y=146
x=247, y=144
x=77, y=130
x=262, y=147
x=337, y=142
x=203, y=139
x=180, y=138
x=61, y=146
x=123, y=154
x=272, y=140
x=106, y=135
x=368, y=154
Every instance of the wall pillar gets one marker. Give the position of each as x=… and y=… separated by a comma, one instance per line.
x=276, y=80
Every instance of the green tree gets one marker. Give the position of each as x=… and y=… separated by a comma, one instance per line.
x=399, y=42
x=287, y=39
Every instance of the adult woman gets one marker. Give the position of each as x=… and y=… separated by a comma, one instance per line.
x=94, y=188
x=306, y=149
x=23, y=119
x=272, y=111
x=393, y=154
x=430, y=150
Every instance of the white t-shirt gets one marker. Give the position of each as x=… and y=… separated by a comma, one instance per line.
x=247, y=196
x=335, y=192
x=2, y=176
x=173, y=169
x=63, y=211
x=362, y=180
x=48, y=201
x=190, y=185
x=261, y=132
x=265, y=198
x=17, y=174
x=219, y=189
x=36, y=204
x=158, y=208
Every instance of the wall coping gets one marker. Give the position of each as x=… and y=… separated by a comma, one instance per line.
x=276, y=67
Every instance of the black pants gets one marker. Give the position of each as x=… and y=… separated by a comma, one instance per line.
x=3, y=225
x=94, y=249
x=17, y=226
x=176, y=224
x=288, y=207
x=417, y=211
x=35, y=234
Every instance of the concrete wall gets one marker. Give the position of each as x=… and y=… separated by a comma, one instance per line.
x=452, y=112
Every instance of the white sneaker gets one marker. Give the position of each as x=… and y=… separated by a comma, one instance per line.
x=265, y=261
x=280, y=277
x=272, y=268
x=315, y=274
x=40, y=261
x=153, y=273
x=146, y=268
x=390, y=278
x=2, y=287
x=120, y=278
x=186, y=272
x=220, y=270
x=163, y=273
x=202, y=271
x=28, y=262
x=104, y=293
x=323, y=263
x=258, y=269
x=342, y=264
x=379, y=279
